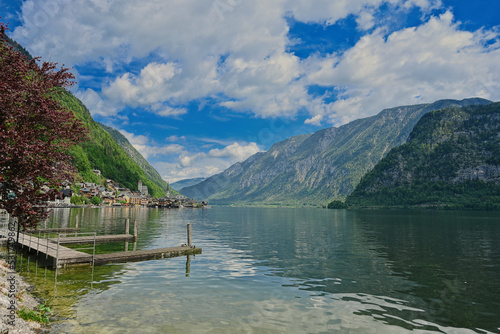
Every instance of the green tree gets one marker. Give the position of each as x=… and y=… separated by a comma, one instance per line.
x=36, y=133
x=96, y=200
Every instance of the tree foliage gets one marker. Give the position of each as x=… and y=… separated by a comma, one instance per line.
x=96, y=200
x=35, y=133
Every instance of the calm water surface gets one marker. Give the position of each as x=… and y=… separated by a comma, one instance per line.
x=285, y=271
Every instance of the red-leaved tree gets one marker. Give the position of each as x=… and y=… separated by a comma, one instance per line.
x=35, y=134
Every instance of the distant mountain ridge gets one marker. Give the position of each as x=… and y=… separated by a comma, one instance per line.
x=451, y=159
x=316, y=168
x=179, y=185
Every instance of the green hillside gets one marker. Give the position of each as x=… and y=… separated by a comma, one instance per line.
x=451, y=159
x=102, y=152
x=150, y=172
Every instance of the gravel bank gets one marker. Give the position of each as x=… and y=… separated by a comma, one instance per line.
x=11, y=323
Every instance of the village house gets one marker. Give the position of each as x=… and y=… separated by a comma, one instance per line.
x=135, y=199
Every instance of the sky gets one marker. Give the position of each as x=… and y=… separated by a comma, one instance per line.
x=198, y=85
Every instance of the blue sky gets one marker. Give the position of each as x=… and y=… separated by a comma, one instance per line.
x=197, y=85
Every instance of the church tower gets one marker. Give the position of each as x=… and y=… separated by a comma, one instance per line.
x=140, y=186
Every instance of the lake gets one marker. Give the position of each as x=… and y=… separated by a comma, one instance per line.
x=279, y=270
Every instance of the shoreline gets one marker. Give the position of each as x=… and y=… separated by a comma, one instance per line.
x=11, y=322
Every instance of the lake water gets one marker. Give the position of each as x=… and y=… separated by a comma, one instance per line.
x=285, y=271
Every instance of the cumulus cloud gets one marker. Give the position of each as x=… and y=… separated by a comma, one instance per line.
x=233, y=49
x=235, y=151
x=201, y=164
x=145, y=147
x=144, y=90
x=175, y=138
x=433, y=61
x=167, y=111
x=96, y=105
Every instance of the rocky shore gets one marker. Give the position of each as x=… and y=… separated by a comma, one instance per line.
x=14, y=295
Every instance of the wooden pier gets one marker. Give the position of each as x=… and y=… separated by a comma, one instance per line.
x=53, y=253
x=57, y=255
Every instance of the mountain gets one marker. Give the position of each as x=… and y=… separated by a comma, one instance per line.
x=179, y=185
x=316, y=168
x=103, y=153
x=451, y=159
x=150, y=172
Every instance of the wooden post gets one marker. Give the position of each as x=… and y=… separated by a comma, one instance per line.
x=76, y=219
x=189, y=234
x=127, y=231
x=135, y=230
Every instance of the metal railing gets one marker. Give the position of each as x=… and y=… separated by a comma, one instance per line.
x=52, y=245
x=76, y=234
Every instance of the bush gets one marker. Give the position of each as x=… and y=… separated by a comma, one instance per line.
x=96, y=200
x=41, y=314
x=337, y=205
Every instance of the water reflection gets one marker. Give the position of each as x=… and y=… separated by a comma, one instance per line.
x=291, y=271
x=442, y=263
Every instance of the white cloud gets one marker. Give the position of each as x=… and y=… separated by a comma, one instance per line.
x=175, y=138
x=235, y=152
x=135, y=139
x=201, y=164
x=235, y=49
x=329, y=12
x=145, y=89
x=167, y=111
x=148, y=151
x=96, y=105
x=434, y=61
x=144, y=146
x=365, y=20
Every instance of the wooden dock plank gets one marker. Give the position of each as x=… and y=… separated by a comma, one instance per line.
x=146, y=254
x=90, y=239
x=54, y=230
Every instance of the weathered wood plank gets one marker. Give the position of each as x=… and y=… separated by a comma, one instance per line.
x=54, y=230
x=90, y=239
x=146, y=254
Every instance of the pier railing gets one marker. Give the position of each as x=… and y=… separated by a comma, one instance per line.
x=92, y=235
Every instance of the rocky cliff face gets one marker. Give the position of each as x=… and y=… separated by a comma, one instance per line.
x=452, y=158
x=316, y=168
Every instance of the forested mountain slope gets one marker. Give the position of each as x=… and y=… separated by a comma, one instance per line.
x=316, y=168
x=451, y=159
x=103, y=153
x=149, y=170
